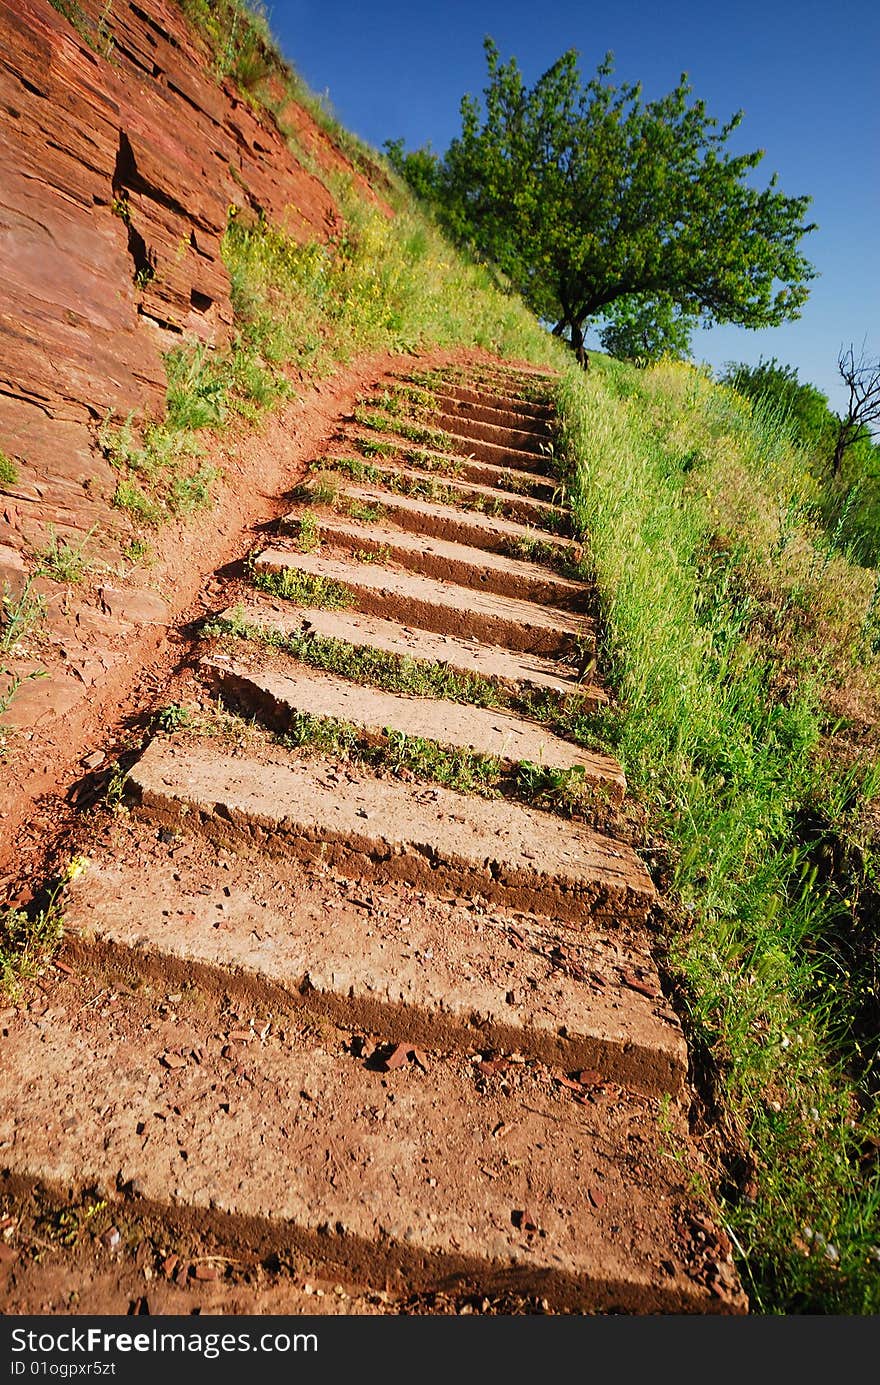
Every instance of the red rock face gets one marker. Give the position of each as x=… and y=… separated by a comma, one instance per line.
x=116, y=177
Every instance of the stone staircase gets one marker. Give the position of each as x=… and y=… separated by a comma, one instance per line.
x=351, y=1019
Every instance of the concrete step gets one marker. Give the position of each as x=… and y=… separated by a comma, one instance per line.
x=383, y=829
x=517, y=673
x=503, y=455
x=536, y=424
x=482, y=569
x=440, y=973
x=525, y=389
x=454, y=490
x=277, y=689
x=442, y=520
x=502, y=435
x=290, y=1142
x=443, y=607
x=448, y=469
x=460, y=448
x=501, y=401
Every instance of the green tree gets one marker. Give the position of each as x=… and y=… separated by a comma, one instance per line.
x=586, y=195
x=420, y=168
x=643, y=329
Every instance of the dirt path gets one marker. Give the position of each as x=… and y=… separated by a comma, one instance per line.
x=353, y=1015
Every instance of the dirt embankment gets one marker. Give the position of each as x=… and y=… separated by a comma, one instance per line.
x=117, y=171
x=121, y=154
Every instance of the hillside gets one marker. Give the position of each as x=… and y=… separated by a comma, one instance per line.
x=438, y=803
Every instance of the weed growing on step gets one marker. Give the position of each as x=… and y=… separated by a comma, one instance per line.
x=322, y=489
x=466, y=771
x=462, y=770
x=374, y=447
x=8, y=471
x=727, y=628
x=308, y=532
x=380, y=554
x=303, y=588
x=174, y=717
x=568, y=562
x=382, y=422
x=62, y=560
x=20, y=615
x=359, y=510
x=402, y=401
x=114, y=791
x=28, y=937
x=397, y=673
x=566, y=791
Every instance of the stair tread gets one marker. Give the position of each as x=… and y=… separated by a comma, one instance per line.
x=455, y=609
x=421, y=832
x=479, y=479
x=391, y=961
x=516, y=671
x=277, y=688
x=449, y=559
x=433, y=515
x=295, y=1142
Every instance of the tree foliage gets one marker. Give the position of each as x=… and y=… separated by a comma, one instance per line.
x=643, y=330
x=586, y=195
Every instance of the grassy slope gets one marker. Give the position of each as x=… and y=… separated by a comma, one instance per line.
x=734, y=629
x=732, y=625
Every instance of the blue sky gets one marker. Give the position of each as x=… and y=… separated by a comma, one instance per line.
x=805, y=74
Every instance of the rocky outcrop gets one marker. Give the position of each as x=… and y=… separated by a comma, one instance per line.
x=117, y=171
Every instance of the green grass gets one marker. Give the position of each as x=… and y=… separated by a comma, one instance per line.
x=8, y=471
x=381, y=285
x=726, y=620
x=309, y=532
x=20, y=615
x=28, y=938
x=303, y=588
x=63, y=561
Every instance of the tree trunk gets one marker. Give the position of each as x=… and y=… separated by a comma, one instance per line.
x=577, y=345
x=843, y=440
